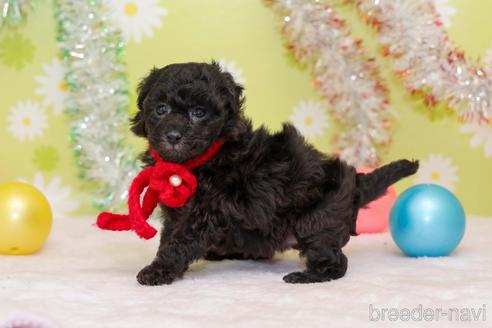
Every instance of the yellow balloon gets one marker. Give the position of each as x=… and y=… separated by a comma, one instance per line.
x=25, y=218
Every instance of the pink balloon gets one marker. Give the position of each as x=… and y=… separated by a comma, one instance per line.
x=374, y=218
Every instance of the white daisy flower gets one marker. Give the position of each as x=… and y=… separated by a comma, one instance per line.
x=26, y=120
x=446, y=11
x=439, y=170
x=482, y=134
x=58, y=196
x=53, y=88
x=137, y=17
x=310, y=118
x=233, y=69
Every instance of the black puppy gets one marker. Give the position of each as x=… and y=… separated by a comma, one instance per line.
x=259, y=193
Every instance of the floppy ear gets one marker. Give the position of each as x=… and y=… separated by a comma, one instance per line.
x=236, y=125
x=138, y=122
x=146, y=85
x=238, y=103
x=232, y=90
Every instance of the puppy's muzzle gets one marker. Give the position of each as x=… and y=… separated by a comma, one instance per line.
x=173, y=137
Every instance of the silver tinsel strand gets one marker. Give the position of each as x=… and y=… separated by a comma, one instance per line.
x=92, y=49
x=14, y=12
x=412, y=34
x=345, y=77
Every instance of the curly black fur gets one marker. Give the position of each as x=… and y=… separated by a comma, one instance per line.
x=260, y=191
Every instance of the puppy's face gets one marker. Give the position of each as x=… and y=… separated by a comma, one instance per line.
x=183, y=108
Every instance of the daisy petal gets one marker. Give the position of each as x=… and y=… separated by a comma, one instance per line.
x=61, y=202
x=310, y=118
x=439, y=170
x=26, y=121
x=137, y=18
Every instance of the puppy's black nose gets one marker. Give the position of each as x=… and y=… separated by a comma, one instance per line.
x=173, y=137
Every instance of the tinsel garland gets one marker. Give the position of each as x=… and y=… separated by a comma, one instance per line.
x=92, y=49
x=344, y=76
x=14, y=12
x=412, y=34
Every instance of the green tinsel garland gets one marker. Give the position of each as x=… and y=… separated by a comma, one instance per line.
x=92, y=49
x=14, y=12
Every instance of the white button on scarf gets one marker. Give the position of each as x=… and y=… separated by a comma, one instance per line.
x=175, y=180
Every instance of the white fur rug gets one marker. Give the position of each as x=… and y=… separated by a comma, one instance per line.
x=85, y=277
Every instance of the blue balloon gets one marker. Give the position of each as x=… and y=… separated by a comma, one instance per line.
x=427, y=220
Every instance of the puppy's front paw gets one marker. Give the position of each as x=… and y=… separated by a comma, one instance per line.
x=155, y=274
x=305, y=277
x=295, y=278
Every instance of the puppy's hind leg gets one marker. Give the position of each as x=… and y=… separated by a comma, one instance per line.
x=325, y=260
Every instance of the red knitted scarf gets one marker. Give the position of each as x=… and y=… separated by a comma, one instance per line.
x=170, y=183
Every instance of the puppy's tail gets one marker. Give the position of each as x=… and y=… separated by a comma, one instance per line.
x=373, y=185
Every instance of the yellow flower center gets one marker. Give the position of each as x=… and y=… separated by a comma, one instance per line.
x=131, y=9
x=308, y=121
x=63, y=86
x=26, y=121
x=435, y=175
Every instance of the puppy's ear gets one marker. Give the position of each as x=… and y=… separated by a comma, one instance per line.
x=231, y=90
x=138, y=124
x=146, y=85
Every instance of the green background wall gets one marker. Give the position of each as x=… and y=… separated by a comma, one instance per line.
x=244, y=34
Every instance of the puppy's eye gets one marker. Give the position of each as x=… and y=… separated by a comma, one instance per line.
x=198, y=112
x=162, y=109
